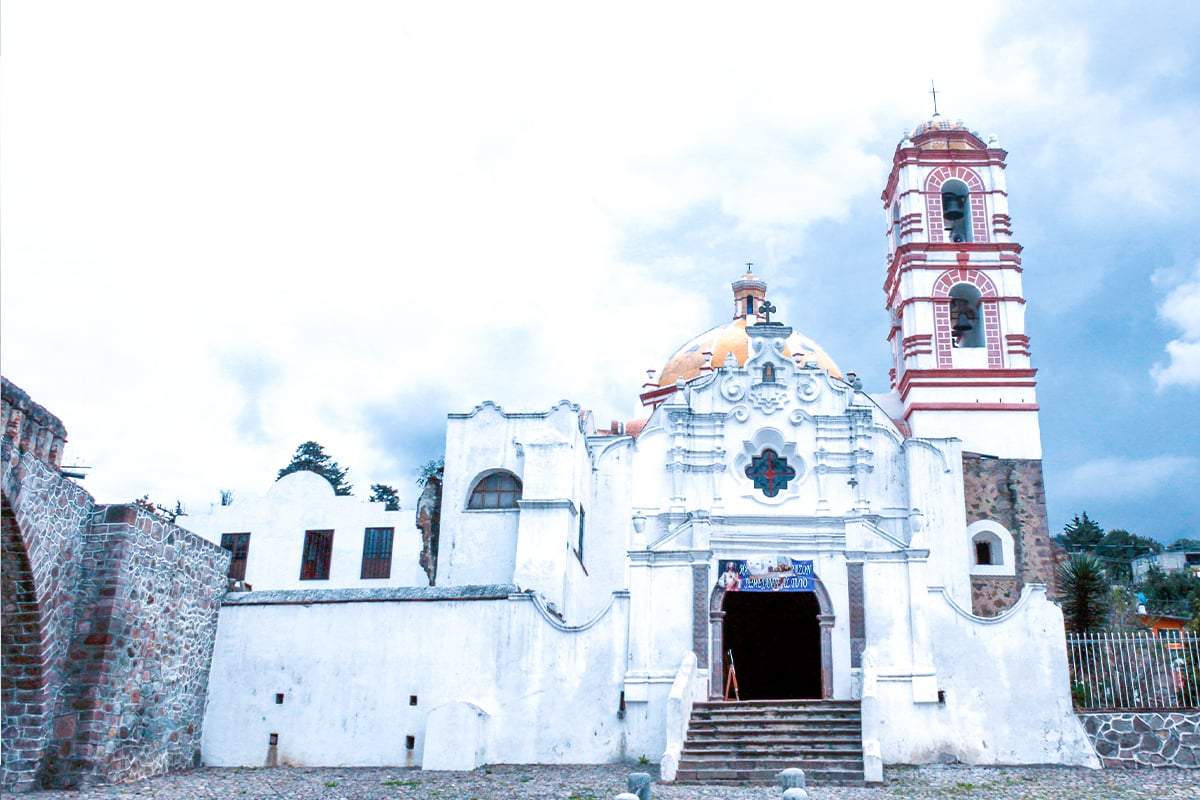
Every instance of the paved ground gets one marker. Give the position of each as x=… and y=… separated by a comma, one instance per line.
x=605, y=782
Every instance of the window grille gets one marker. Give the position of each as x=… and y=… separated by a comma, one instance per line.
x=318, y=550
x=498, y=490
x=239, y=545
x=377, y=553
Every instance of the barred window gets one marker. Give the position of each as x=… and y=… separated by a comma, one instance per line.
x=377, y=553
x=239, y=545
x=318, y=550
x=498, y=490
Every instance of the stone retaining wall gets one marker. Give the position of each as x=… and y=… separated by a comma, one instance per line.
x=109, y=617
x=1145, y=739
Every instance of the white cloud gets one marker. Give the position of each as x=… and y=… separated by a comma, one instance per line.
x=232, y=228
x=1126, y=478
x=1181, y=309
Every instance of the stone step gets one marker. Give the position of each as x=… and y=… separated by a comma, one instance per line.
x=816, y=777
x=807, y=719
x=813, y=716
x=755, y=750
x=766, y=705
x=775, y=764
x=758, y=729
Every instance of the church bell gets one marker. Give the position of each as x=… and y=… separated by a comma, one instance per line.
x=953, y=206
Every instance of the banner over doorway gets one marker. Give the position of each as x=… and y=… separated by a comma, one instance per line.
x=765, y=574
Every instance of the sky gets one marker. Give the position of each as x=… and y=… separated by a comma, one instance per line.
x=230, y=227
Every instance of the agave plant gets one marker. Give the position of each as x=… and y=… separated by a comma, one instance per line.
x=1084, y=593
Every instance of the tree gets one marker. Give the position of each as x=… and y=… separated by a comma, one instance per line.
x=382, y=493
x=312, y=457
x=1084, y=593
x=1170, y=593
x=433, y=468
x=1185, y=544
x=1120, y=547
x=1081, y=534
x=159, y=510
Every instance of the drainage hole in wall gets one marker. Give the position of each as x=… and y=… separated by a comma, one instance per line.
x=412, y=699
x=279, y=698
x=274, y=739
x=410, y=743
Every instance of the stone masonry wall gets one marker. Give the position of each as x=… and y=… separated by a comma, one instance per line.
x=1145, y=739
x=140, y=654
x=109, y=618
x=1010, y=491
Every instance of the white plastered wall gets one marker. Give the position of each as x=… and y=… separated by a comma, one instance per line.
x=304, y=501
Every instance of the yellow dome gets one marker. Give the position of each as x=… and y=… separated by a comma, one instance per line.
x=687, y=361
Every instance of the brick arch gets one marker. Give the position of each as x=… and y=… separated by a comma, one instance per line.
x=25, y=695
x=933, y=205
x=952, y=277
x=941, y=314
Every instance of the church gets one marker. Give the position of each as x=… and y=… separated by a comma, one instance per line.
x=855, y=579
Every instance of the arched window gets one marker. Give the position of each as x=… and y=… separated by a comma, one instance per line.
x=768, y=373
x=992, y=550
x=956, y=211
x=987, y=550
x=497, y=490
x=966, y=316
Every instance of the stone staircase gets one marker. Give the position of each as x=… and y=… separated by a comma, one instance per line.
x=751, y=741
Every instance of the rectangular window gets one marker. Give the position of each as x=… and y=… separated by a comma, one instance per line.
x=239, y=545
x=377, y=553
x=318, y=549
x=579, y=551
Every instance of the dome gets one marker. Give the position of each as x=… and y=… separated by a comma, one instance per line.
x=938, y=123
x=941, y=133
x=687, y=361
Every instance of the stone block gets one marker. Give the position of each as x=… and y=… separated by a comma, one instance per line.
x=792, y=777
x=639, y=784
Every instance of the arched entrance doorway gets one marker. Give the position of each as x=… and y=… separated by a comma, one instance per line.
x=775, y=642
x=781, y=642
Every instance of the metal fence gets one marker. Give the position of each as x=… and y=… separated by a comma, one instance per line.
x=1134, y=671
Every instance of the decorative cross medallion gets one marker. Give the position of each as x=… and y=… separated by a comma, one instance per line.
x=767, y=309
x=769, y=472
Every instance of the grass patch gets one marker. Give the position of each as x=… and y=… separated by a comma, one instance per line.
x=330, y=784
x=398, y=782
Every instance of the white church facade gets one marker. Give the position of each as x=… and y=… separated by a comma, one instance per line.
x=570, y=593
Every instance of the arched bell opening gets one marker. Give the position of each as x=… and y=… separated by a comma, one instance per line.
x=782, y=643
x=956, y=211
x=966, y=316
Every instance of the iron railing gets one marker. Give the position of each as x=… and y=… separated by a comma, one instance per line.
x=1134, y=671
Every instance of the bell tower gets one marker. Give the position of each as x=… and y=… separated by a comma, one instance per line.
x=960, y=356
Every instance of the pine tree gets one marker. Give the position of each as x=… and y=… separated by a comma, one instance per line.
x=382, y=493
x=312, y=457
x=1084, y=593
x=1081, y=534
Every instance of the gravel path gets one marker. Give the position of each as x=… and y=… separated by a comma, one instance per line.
x=605, y=782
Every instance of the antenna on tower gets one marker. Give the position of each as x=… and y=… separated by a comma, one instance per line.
x=933, y=91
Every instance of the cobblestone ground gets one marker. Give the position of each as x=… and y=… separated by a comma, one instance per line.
x=605, y=782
